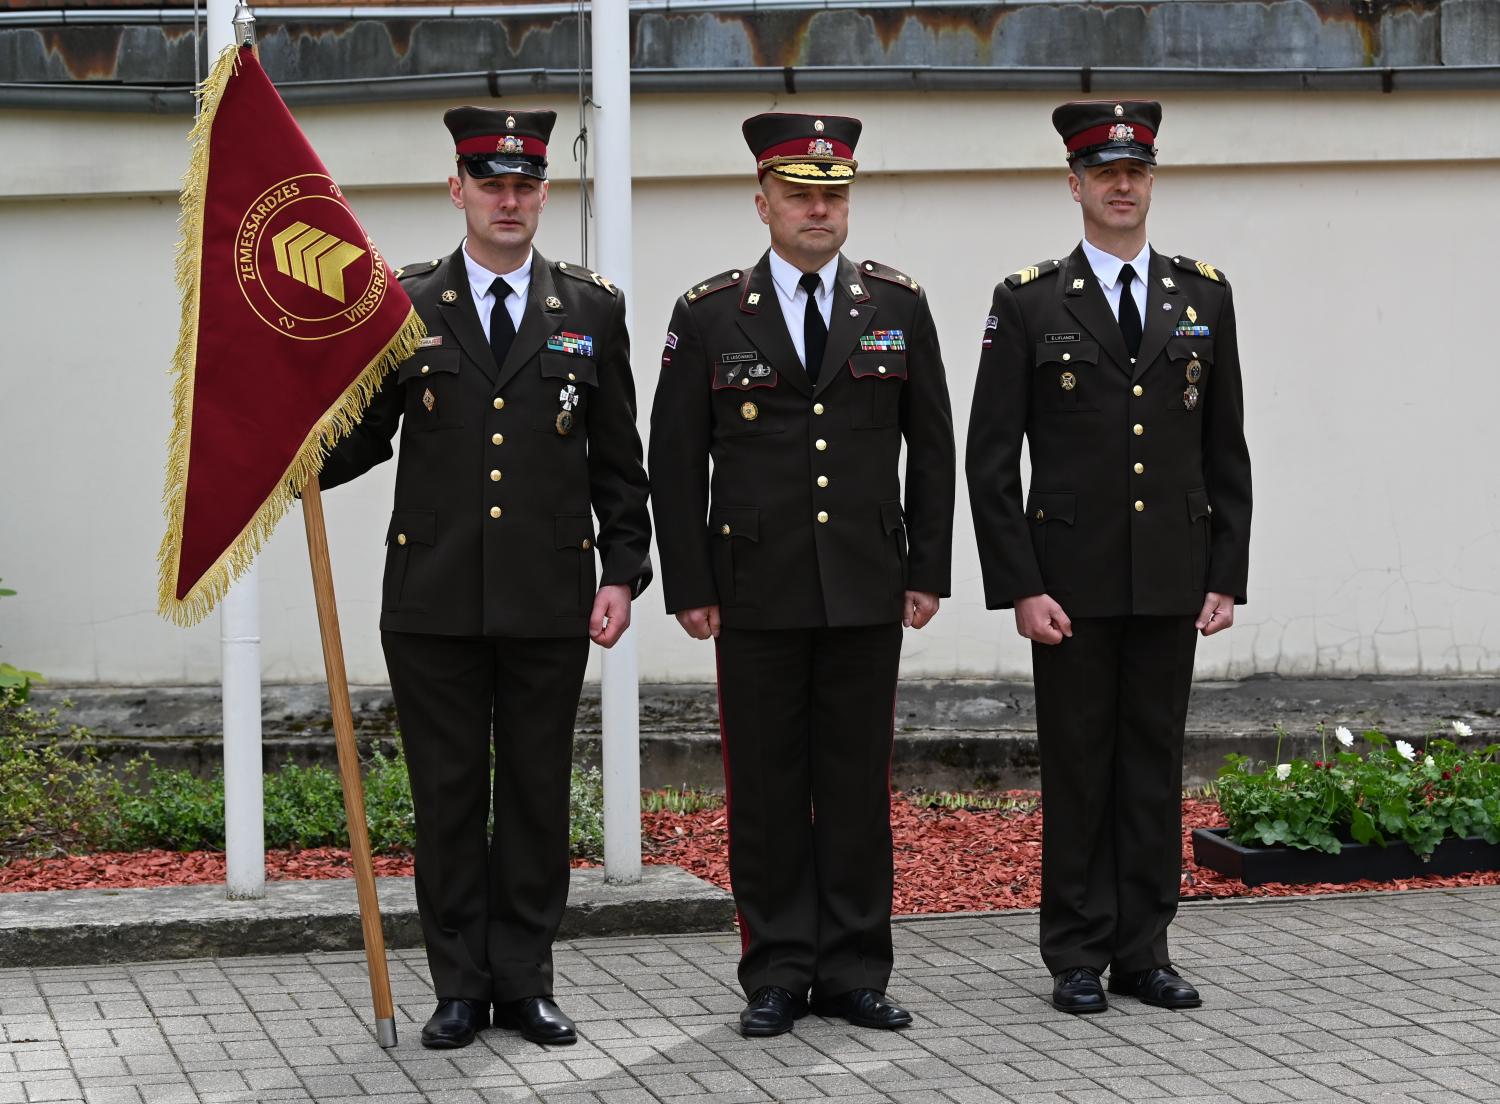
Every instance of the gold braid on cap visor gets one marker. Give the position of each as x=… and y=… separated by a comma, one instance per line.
x=799, y=168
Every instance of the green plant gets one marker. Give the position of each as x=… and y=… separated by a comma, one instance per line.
x=586, y=826
x=54, y=794
x=1395, y=791
x=684, y=800
x=388, y=810
x=170, y=808
x=989, y=802
x=13, y=679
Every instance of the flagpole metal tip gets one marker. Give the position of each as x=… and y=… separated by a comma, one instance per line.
x=244, y=25
x=385, y=1033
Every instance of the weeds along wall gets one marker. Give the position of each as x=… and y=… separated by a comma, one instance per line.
x=1354, y=228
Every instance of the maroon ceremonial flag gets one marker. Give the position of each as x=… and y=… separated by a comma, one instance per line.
x=290, y=317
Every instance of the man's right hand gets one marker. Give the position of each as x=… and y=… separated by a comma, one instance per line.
x=700, y=623
x=1041, y=619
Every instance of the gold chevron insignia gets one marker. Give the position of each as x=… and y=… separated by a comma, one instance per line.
x=315, y=258
x=1209, y=270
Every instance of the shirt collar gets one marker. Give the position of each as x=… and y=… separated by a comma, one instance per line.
x=480, y=278
x=787, y=276
x=1107, y=266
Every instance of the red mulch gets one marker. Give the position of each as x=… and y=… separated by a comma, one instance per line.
x=946, y=861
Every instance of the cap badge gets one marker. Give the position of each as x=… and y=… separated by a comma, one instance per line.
x=1119, y=110
x=1121, y=133
x=818, y=125
x=450, y=295
x=510, y=143
x=510, y=121
x=820, y=147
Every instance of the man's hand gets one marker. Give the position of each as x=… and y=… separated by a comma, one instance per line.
x=1041, y=619
x=920, y=608
x=611, y=615
x=700, y=623
x=1217, y=614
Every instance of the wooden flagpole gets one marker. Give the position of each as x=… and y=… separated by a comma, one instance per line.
x=354, y=793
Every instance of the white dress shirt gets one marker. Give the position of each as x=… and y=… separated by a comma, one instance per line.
x=1107, y=268
x=793, y=297
x=480, y=279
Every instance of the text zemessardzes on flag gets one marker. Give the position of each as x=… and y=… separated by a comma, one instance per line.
x=290, y=317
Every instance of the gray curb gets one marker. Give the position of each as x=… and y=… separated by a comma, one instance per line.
x=85, y=926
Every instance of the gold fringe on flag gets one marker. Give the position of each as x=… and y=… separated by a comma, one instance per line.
x=332, y=427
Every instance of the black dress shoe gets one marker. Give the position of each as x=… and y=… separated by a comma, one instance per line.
x=537, y=1019
x=454, y=1023
x=772, y=1011
x=864, y=1008
x=1160, y=986
x=1078, y=991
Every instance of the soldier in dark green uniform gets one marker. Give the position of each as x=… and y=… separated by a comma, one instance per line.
x=517, y=421
x=798, y=379
x=1118, y=364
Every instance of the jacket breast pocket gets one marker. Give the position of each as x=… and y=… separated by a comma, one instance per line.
x=878, y=381
x=740, y=390
x=408, y=541
x=569, y=384
x=1190, y=361
x=1051, y=516
x=735, y=534
x=1067, y=376
x=431, y=383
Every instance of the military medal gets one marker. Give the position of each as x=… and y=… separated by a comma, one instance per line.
x=749, y=411
x=1194, y=370
x=568, y=397
x=429, y=400
x=1190, y=396
x=1069, y=381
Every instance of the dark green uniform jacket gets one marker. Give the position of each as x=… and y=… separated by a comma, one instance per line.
x=492, y=532
x=1140, y=477
x=807, y=526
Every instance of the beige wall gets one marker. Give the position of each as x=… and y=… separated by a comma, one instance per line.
x=1358, y=232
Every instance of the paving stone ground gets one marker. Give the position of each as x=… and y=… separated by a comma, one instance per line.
x=1372, y=998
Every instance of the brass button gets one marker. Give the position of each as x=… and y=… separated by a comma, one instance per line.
x=499, y=403
x=425, y=369
x=400, y=538
x=725, y=530
x=822, y=481
x=881, y=369
x=495, y=475
x=1140, y=469
x=820, y=444
x=498, y=439
x=495, y=511
x=1139, y=429
x=587, y=544
x=745, y=382
x=1139, y=505
x=1137, y=390
x=1040, y=515
x=1067, y=356
x=817, y=408
x=571, y=376
x=822, y=517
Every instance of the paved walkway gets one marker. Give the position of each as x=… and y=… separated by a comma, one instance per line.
x=1384, y=997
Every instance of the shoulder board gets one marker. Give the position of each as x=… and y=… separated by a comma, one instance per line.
x=713, y=284
x=420, y=268
x=588, y=276
x=1202, y=268
x=1030, y=273
x=886, y=272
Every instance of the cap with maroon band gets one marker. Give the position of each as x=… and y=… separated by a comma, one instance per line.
x=493, y=143
x=1097, y=131
x=809, y=149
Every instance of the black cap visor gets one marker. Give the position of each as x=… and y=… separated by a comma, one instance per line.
x=1115, y=151
x=483, y=165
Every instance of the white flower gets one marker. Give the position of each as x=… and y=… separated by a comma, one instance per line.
x=1405, y=750
x=1428, y=762
x=1344, y=736
x=1283, y=771
x=1461, y=729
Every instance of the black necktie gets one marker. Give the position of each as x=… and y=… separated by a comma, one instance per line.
x=1130, y=317
x=814, y=329
x=502, y=329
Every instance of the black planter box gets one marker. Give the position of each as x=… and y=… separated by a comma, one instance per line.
x=1357, y=862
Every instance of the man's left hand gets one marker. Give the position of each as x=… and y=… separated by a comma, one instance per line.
x=611, y=616
x=1217, y=614
x=920, y=608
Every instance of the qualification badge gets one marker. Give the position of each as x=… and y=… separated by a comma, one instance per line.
x=1069, y=381
x=749, y=411
x=1194, y=371
x=429, y=400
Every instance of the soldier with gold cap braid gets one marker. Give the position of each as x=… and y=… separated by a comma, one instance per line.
x=1119, y=367
x=517, y=420
x=799, y=379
